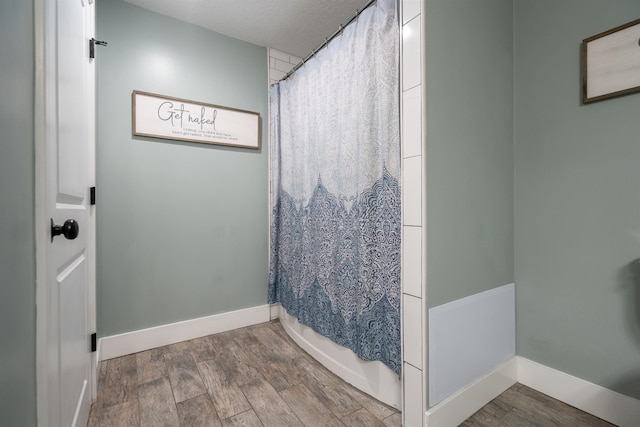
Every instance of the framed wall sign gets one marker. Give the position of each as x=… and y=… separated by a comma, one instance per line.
x=611, y=63
x=160, y=116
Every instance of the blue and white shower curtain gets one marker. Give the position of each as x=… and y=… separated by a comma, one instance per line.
x=335, y=162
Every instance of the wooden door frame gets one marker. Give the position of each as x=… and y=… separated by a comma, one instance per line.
x=43, y=113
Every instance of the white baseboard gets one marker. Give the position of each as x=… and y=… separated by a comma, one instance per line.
x=145, y=339
x=613, y=407
x=456, y=408
x=616, y=408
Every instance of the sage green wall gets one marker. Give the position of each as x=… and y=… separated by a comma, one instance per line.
x=181, y=227
x=17, y=244
x=469, y=75
x=577, y=200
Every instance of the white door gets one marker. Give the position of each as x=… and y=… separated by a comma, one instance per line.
x=69, y=147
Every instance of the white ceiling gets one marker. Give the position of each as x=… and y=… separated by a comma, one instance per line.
x=291, y=26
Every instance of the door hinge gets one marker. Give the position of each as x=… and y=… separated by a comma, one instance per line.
x=94, y=344
x=92, y=46
x=92, y=195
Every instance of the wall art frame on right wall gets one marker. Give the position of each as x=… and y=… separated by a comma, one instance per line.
x=611, y=63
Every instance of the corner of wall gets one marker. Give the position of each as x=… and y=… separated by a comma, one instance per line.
x=414, y=342
x=280, y=63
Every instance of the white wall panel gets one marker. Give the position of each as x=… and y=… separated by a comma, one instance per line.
x=469, y=338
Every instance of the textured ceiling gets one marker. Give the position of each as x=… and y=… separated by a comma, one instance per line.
x=292, y=26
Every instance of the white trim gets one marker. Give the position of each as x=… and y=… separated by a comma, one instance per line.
x=465, y=402
x=373, y=378
x=274, y=311
x=158, y=336
x=77, y=415
x=609, y=405
x=601, y=402
x=91, y=225
x=41, y=233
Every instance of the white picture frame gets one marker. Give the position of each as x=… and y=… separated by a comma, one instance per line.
x=165, y=117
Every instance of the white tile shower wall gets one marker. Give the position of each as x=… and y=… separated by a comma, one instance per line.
x=413, y=409
x=410, y=9
x=412, y=315
x=412, y=261
x=413, y=206
x=280, y=64
x=412, y=202
x=412, y=122
x=411, y=56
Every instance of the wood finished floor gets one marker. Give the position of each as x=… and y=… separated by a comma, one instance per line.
x=254, y=376
x=257, y=376
x=522, y=406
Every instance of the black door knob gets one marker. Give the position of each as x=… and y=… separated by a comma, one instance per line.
x=69, y=229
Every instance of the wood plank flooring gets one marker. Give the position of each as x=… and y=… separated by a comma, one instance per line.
x=257, y=376
x=524, y=407
x=254, y=376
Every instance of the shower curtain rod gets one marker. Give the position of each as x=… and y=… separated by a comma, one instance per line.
x=327, y=40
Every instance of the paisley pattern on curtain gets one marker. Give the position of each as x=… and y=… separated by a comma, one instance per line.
x=336, y=214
